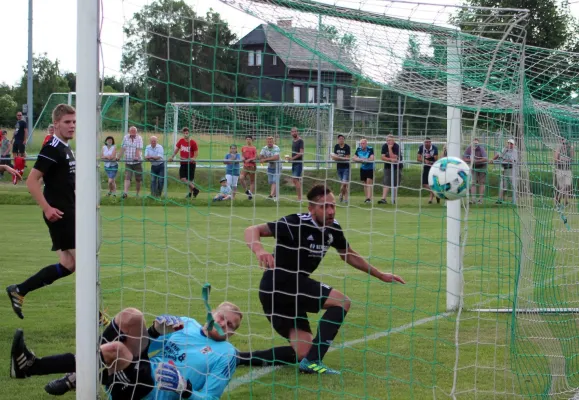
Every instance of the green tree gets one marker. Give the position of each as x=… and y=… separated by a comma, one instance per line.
x=47, y=80
x=8, y=108
x=177, y=55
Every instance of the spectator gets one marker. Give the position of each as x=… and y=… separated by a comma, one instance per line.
x=248, y=155
x=296, y=159
x=563, y=174
x=20, y=137
x=4, y=151
x=342, y=153
x=154, y=154
x=479, y=172
x=224, y=192
x=270, y=154
x=132, y=148
x=109, y=154
x=365, y=155
x=427, y=155
x=19, y=165
x=49, y=135
x=188, y=152
x=392, y=169
x=232, y=168
x=508, y=158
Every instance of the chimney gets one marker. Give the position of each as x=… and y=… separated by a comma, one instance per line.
x=284, y=23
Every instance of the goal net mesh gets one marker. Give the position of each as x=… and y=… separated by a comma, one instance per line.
x=387, y=68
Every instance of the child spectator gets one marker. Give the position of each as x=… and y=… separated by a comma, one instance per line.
x=224, y=192
x=49, y=135
x=19, y=165
x=232, y=169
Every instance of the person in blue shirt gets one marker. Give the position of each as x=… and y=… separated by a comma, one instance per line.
x=175, y=358
x=232, y=168
x=225, y=191
x=365, y=155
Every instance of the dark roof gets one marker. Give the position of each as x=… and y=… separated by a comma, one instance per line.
x=296, y=56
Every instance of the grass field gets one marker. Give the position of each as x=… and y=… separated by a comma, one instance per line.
x=397, y=343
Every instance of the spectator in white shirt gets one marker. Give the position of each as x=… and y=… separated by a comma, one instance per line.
x=132, y=148
x=154, y=154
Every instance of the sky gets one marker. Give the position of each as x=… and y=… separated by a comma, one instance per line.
x=54, y=28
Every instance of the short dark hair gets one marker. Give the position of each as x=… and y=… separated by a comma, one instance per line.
x=340, y=135
x=427, y=139
x=249, y=137
x=110, y=137
x=185, y=129
x=318, y=191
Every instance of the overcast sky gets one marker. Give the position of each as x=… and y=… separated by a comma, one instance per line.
x=55, y=30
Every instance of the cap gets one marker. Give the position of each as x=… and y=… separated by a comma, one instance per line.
x=224, y=179
x=511, y=141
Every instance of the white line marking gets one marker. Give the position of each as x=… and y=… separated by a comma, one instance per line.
x=247, y=378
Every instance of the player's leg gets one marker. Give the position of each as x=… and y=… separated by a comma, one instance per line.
x=316, y=296
x=252, y=181
x=62, y=233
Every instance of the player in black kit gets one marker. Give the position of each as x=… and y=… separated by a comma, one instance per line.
x=288, y=294
x=56, y=166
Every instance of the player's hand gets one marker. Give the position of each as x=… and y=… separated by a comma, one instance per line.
x=12, y=171
x=266, y=260
x=53, y=214
x=169, y=378
x=165, y=324
x=389, y=278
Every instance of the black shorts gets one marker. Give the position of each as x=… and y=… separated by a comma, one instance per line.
x=285, y=309
x=425, y=172
x=187, y=171
x=62, y=232
x=133, y=383
x=366, y=174
x=18, y=148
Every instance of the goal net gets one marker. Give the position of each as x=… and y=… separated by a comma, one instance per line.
x=487, y=311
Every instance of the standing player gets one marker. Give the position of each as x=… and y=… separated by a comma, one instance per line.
x=248, y=155
x=188, y=151
x=427, y=155
x=174, y=358
x=342, y=153
x=56, y=166
x=288, y=294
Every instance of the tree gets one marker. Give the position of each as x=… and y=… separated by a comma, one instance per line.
x=47, y=80
x=8, y=108
x=177, y=55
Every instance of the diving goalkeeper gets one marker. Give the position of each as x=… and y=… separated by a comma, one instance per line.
x=176, y=358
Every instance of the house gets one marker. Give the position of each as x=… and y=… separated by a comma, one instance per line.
x=281, y=70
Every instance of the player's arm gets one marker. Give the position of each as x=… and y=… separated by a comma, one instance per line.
x=253, y=236
x=26, y=135
x=10, y=170
x=164, y=325
x=34, y=184
x=419, y=156
x=357, y=261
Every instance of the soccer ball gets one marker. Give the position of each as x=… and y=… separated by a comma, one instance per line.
x=449, y=178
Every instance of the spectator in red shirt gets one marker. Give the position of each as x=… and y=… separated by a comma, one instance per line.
x=49, y=135
x=248, y=155
x=19, y=165
x=188, y=151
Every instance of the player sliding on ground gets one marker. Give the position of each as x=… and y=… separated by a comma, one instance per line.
x=288, y=294
x=176, y=358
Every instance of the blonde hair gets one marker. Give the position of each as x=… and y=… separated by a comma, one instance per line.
x=226, y=305
x=60, y=111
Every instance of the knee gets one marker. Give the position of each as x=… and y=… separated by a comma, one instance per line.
x=346, y=303
x=116, y=355
x=130, y=320
x=67, y=261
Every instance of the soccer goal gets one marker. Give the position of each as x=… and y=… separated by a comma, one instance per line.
x=216, y=126
x=442, y=335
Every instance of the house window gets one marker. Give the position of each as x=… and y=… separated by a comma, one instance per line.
x=251, y=58
x=311, y=95
x=297, y=94
x=326, y=95
x=274, y=60
x=340, y=98
x=258, y=57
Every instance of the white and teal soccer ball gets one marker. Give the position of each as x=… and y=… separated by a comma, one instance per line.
x=449, y=178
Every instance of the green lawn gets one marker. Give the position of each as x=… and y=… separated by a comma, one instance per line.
x=397, y=343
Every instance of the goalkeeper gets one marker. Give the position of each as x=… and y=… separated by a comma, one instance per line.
x=176, y=358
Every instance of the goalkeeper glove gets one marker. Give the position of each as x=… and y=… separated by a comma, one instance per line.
x=169, y=379
x=165, y=324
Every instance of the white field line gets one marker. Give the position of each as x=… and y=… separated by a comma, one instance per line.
x=249, y=377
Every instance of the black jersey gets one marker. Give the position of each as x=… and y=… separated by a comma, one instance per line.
x=56, y=161
x=301, y=243
x=342, y=152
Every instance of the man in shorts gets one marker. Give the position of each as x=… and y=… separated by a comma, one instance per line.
x=392, y=169
x=296, y=159
x=427, y=155
x=479, y=172
x=132, y=149
x=188, y=152
x=342, y=153
x=270, y=154
x=365, y=155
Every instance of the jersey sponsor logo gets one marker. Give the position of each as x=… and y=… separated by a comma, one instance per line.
x=173, y=352
x=326, y=286
x=330, y=239
x=185, y=149
x=206, y=349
